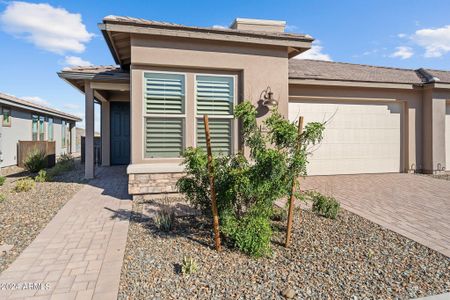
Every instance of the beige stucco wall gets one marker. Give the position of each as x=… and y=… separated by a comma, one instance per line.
x=434, y=129
x=412, y=117
x=255, y=66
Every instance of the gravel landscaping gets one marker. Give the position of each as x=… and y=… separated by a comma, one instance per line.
x=346, y=258
x=23, y=215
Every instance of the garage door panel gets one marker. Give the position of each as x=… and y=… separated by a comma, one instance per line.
x=358, y=138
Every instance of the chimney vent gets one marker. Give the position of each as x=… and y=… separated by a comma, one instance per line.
x=258, y=25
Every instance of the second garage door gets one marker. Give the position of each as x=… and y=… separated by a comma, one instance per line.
x=358, y=138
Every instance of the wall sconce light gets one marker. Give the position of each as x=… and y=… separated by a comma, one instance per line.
x=268, y=98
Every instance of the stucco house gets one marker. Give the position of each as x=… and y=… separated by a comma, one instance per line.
x=22, y=120
x=168, y=76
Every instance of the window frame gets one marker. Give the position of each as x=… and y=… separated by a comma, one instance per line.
x=146, y=115
x=50, y=125
x=63, y=134
x=234, y=127
x=9, y=117
x=41, y=130
x=33, y=119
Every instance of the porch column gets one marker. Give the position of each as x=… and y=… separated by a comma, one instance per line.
x=434, y=108
x=105, y=134
x=89, y=133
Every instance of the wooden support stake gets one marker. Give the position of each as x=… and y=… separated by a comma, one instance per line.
x=211, y=184
x=291, y=199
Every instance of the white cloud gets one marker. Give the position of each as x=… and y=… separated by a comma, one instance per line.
x=403, y=52
x=314, y=53
x=219, y=27
x=401, y=35
x=36, y=100
x=47, y=27
x=291, y=28
x=76, y=61
x=71, y=106
x=436, y=41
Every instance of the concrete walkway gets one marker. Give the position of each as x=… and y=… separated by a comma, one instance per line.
x=79, y=254
x=416, y=206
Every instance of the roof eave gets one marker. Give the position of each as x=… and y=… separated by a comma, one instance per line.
x=39, y=110
x=348, y=83
x=107, y=38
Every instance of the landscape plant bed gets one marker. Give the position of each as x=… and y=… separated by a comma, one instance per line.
x=337, y=259
x=24, y=214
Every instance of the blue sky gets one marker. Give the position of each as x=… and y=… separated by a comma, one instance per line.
x=38, y=41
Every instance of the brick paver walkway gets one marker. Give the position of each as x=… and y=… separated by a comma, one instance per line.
x=415, y=206
x=79, y=254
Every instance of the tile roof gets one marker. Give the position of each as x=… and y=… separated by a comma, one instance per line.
x=33, y=106
x=158, y=24
x=325, y=70
x=96, y=73
x=442, y=76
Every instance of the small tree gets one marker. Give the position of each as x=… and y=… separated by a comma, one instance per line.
x=247, y=187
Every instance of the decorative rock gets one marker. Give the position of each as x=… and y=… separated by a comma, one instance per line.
x=288, y=293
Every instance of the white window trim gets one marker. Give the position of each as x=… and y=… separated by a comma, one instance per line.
x=234, y=127
x=176, y=116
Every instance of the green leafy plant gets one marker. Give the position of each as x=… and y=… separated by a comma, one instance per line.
x=35, y=161
x=247, y=187
x=188, y=266
x=326, y=206
x=165, y=219
x=2, y=180
x=2, y=198
x=42, y=176
x=24, y=185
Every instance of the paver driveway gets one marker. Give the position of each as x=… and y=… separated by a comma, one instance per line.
x=79, y=253
x=416, y=206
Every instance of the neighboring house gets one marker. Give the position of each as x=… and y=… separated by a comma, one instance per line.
x=26, y=121
x=378, y=119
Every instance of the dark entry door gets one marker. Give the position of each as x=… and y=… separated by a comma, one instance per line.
x=120, y=133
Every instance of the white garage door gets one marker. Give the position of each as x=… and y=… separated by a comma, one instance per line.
x=447, y=138
x=358, y=138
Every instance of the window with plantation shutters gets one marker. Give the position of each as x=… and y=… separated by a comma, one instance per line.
x=164, y=104
x=220, y=131
x=215, y=98
x=164, y=93
x=215, y=95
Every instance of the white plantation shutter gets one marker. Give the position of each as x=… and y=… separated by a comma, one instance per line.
x=164, y=114
x=220, y=132
x=215, y=95
x=163, y=137
x=215, y=98
x=164, y=93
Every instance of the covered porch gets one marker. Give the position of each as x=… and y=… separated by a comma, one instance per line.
x=108, y=87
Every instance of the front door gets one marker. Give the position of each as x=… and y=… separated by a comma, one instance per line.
x=120, y=133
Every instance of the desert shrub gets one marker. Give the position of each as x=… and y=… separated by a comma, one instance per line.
x=165, y=219
x=65, y=163
x=42, y=176
x=247, y=188
x=24, y=185
x=279, y=214
x=326, y=206
x=188, y=266
x=35, y=161
x=2, y=198
x=2, y=180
